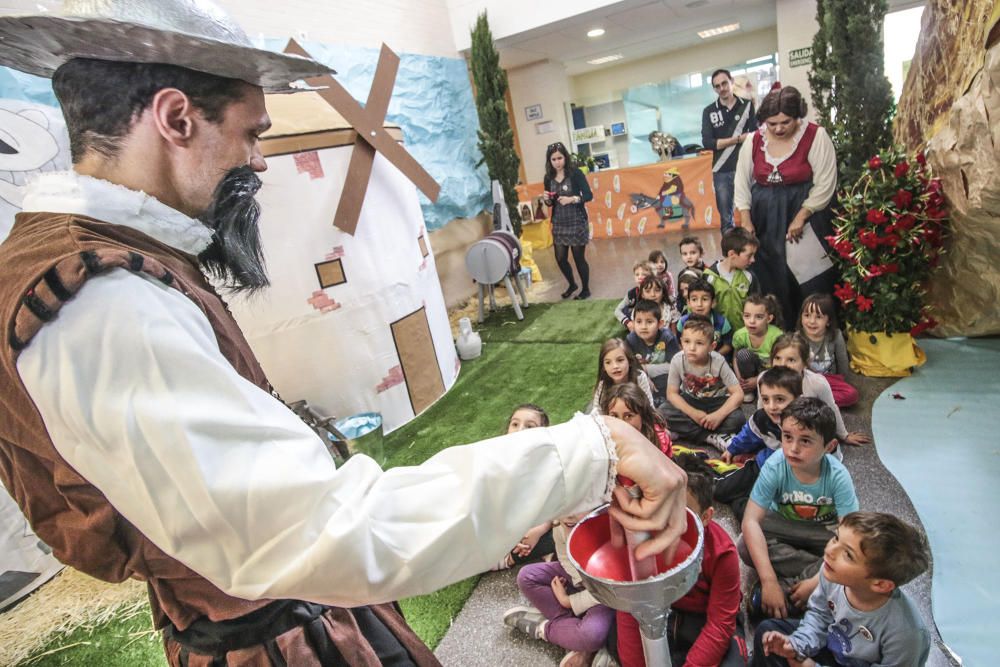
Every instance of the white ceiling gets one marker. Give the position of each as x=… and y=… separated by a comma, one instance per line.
x=639, y=29
x=634, y=28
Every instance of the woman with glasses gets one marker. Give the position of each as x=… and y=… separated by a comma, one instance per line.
x=566, y=191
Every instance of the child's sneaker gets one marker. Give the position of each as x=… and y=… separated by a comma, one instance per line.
x=719, y=440
x=528, y=620
x=749, y=397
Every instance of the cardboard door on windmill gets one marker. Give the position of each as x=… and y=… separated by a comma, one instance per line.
x=415, y=347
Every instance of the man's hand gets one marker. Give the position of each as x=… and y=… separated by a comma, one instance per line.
x=772, y=599
x=661, y=509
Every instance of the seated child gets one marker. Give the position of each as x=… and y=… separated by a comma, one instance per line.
x=691, y=255
x=652, y=289
x=731, y=276
x=794, y=506
x=563, y=612
x=616, y=364
x=752, y=343
x=857, y=615
x=537, y=542
x=704, y=627
x=659, y=263
x=759, y=437
x=703, y=394
x=623, y=311
x=628, y=403
x=653, y=345
x=792, y=350
x=701, y=301
x=685, y=278
x=827, y=351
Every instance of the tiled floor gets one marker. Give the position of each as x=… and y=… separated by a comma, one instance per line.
x=611, y=262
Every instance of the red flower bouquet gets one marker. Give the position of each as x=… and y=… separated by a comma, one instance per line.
x=887, y=239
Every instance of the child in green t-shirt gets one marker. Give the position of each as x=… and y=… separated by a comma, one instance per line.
x=752, y=343
x=731, y=276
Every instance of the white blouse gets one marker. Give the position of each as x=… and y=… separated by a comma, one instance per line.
x=137, y=398
x=822, y=158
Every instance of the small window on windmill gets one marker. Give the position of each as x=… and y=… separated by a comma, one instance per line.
x=331, y=273
x=422, y=242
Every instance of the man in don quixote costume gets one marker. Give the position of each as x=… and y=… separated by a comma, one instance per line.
x=139, y=435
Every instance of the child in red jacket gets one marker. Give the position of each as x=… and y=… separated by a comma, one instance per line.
x=703, y=628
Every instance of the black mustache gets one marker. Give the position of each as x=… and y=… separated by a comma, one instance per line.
x=235, y=256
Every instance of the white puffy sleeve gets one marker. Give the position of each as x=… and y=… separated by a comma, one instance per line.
x=823, y=160
x=744, y=176
x=137, y=398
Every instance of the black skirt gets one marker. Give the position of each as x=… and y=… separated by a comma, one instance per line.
x=570, y=225
x=771, y=211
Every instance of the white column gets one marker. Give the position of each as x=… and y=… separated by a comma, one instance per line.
x=796, y=28
x=546, y=84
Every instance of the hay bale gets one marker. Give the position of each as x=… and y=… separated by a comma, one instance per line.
x=70, y=601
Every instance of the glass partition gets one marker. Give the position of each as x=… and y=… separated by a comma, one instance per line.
x=673, y=107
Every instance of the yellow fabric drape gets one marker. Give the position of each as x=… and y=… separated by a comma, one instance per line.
x=883, y=355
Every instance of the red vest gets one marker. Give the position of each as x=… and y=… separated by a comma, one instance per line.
x=795, y=168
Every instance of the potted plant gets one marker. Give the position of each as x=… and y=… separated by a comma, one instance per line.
x=584, y=163
x=887, y=239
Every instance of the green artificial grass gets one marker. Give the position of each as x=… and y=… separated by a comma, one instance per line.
x=549, y=358
x=126, y=641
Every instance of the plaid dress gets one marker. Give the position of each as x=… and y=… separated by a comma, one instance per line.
x=570, y=225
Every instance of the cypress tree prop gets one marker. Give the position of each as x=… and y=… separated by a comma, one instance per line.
x=496, y=138
x=852, y=97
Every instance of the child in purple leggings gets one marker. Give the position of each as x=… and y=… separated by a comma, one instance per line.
x=563, y=612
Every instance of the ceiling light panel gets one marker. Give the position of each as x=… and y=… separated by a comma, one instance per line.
x=605, y=59
x=720, y=30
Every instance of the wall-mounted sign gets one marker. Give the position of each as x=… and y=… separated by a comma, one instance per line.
x=588, y=135
x=534, y=112
x=545, y=127
x=800, y=57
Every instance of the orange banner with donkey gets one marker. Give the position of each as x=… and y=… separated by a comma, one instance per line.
x=641, y=201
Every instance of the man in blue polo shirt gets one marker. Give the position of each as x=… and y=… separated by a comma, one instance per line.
x=725, y=123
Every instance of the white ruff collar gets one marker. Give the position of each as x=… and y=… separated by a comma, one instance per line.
x=796, y=138
x=70, y=192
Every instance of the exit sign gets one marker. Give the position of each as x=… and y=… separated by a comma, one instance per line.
x=800, y=57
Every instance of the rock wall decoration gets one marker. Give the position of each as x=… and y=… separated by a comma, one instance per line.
x=950, y=106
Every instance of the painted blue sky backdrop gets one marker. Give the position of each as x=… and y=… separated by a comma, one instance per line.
x=431, y=101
